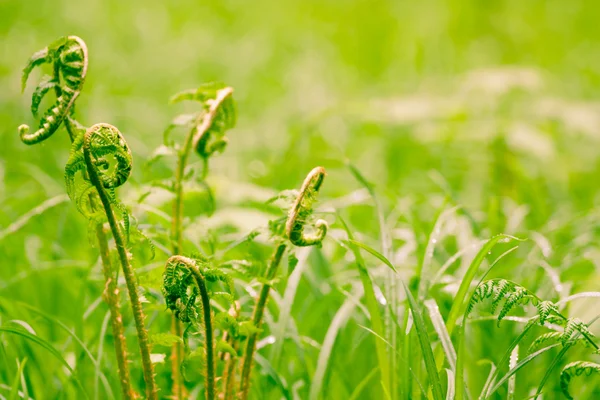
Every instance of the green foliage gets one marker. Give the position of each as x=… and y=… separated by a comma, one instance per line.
x=302, y=209
x=394, y=89
x=574, y=369
x=69, y=59
x=209, y=125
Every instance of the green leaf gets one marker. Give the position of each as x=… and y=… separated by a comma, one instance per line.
x=14, y=392
x=426, y=349
x=48, y=347
x=164, y=339
x=373, y=252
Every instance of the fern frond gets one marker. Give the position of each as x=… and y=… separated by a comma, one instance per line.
x=573, y=326
x=574, y=369
x=520, y=296
x=542, y=340
x=545, y=309
x=69, y=58
x=501, y=288
x=302, y=209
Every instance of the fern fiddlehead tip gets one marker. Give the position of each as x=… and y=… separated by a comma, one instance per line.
x=69, y=57
x=302, y=209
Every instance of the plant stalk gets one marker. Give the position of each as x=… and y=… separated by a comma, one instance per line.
x=128, y=273
x=111, y=296
x=209, y=344
x=200, y=128
x=257, y=317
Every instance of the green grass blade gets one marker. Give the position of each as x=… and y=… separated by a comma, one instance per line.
x=520, y=365
x=48, y=347
x=372, y=251
x=425, y=346
x=340, y=318
x=362, y=385
x=440, y=329
x=14, y=392
x=492, y=379
x=373, y=307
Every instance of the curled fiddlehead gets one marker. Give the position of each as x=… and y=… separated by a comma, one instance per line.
x=574, y=369
x=69, y=58
x=206, y=135
x=302, y=209
x=107, y=161
x=106, y=144
x=210, y=125
x=183, y=282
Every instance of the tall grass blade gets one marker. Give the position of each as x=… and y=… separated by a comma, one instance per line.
x=14, y=393
x=48, y=347
x=425, y=346
x=440, y=329
x=340, y=318
x=373, y=307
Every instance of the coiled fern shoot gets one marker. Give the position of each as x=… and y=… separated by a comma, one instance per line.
x=298, y=217
x=69, y=59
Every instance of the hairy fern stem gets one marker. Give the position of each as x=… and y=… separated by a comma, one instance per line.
x=111, y=296
x=128, y=272
x=209, y=344
x=69, y=56
x=200, y=128
x=257, y=316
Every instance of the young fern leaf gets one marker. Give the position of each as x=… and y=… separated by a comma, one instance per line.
x=502, y=290
x=210, y=125
x=302, y=210
x=573, y=326
x=181, y=273
x=563, y=337
x=574, y=369
x=297, y=217
x=99, y=142
x=543, y=340
x=545, y=309
x=207, y=135
x=69, y=59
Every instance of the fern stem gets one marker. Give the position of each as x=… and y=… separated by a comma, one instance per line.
x=194, y=135
x=111, y=293
x=178, y=387
x=257, y=317
x=129, y=274
x=229, y=372
x=111, y=296
x=209, y=344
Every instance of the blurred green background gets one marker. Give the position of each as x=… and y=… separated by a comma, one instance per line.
x=493, y=104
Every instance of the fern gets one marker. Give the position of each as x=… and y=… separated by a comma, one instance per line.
x=206, y=134
x=574, y=369
x=100, y=141
x=502, y=292
x=509, y=295
x=184, y=279
x=295, y=224
x=209, y=125
x=69, y=59
x=302, y=209
x=542, y=340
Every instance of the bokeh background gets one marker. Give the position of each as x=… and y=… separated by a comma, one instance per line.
x=493, y=105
